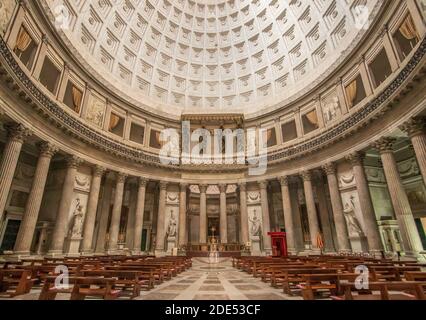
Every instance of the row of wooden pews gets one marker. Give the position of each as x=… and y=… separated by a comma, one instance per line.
x=337, y=277
x=104, y=277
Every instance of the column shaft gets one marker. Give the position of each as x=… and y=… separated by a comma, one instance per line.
x=343, y=243
x=410, y=236
x=182, y=216
x=324, y=215
x=288, y=215
x=203, y=214
x=92, y=207
x=244, y=214
x=16, y=135
x=223, y=216
x=104, y=215
x=265, y=216
x=314, y=229
x=60, y=229
x=32, y=208
x=114, y=229
x=160, y=238
x=140, y=210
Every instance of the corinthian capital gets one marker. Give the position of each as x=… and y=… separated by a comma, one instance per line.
x=306, y=175
x=121, y=177
x=222, y=187
x=356, y=158
x=17, y=131
x=73, y=162
x=142, y=181
x=384, y=145
x=263, y=184
x=203, y=188
x=414, y=126
x=329, y=168
x=98, y=170
x=284, y=180
x=47, y=149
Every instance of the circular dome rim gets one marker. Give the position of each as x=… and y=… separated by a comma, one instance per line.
x=169, y=111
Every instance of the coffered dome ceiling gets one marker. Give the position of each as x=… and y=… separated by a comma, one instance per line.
x=175, y=56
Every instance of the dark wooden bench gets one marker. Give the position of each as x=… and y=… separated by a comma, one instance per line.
x=14, y=282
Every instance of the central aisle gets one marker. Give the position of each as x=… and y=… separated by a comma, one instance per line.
x=219, y=281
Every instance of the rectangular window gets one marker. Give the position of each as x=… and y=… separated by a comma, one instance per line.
x=73, y=97
x=355, y=92
x=289, y=131
x=25, y=48
x=154, y=139
x=380, y=68
x=49, y=76
x=116, y=124
x=310, y=121
x=137, y=133
x=271, y=137
x=406, y=37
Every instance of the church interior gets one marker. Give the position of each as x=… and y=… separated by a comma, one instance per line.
x=213, y=149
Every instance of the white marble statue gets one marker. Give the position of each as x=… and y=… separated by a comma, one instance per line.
x=171, y=228
x=77, y=220
x=354, y=227
x=255, y=225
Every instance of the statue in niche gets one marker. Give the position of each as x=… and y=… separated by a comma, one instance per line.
x=77, y=220
x=353, y=223
x=171, y=228
x=255, y=225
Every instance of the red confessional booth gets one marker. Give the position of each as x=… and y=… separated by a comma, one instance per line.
x=279, y=244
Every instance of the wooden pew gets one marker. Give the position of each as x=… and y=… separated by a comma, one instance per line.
x=124, y=279
x=80, y=288
x=14, y=282
x=331, y=282
x=405, y=290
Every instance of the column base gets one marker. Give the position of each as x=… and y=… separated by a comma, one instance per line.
x=114, y=252
x=160, y=253
x=55, y=254
x=88, y=253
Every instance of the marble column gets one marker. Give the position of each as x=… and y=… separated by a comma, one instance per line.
x=314, y=229
x=203, y=214
x=370, y=222
x=16, y=134
x=92, y=207
x=32, y=208
x=267, y=247
x=415, y=128
x=223, y=217
x=160, y=237
x=243, y=213
x=140, y=210
x=324, y=213
x=60, y=230
x=288, y=215
x=104, y=213
x=114, y=228
x=182, y=240
x=343, y=243
x=401, y=205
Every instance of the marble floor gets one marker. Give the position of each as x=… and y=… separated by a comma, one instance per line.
x=219, y=281
x=204, y=281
